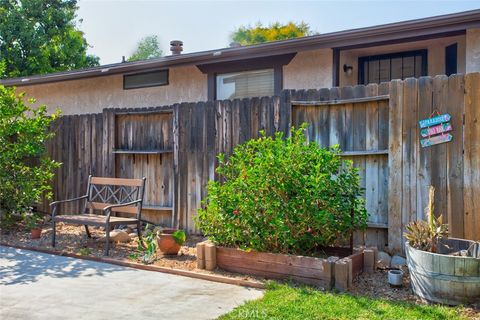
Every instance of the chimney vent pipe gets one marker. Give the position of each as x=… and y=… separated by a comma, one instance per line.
x=176, y=46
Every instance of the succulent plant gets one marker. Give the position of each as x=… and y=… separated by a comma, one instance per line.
x=424, y=235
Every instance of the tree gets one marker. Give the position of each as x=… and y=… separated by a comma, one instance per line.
x=25, y=168
x=247, y=35
x=41, y=36
x=147, y=48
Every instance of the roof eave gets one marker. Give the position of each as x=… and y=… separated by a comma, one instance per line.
x=428, y=27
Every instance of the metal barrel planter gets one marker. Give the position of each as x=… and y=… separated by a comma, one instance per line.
x=443, y=278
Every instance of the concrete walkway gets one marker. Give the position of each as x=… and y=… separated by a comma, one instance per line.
x=41, y=286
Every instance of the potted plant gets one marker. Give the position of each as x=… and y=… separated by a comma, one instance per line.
x=33, y=223
x=442, y=269
x=170, y=241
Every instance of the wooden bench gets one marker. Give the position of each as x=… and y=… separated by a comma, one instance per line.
x=105, y=195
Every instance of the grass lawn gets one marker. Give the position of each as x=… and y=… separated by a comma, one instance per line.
x=288, y=302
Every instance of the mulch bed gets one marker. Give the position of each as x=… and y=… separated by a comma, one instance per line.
x=72, y=239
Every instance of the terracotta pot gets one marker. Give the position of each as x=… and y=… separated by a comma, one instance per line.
x=167, y=244
x=36, y=233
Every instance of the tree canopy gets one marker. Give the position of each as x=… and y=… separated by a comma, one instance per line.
x=147, y=48
x=41, y=36
x=247, y=35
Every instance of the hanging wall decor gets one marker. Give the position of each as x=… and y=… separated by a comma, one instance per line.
x=434, y=129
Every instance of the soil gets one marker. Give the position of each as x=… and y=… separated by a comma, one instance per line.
x=72, y=239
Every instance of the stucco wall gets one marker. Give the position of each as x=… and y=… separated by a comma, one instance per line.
x=436, y=56
x=309, y=70
x=186, y=84
x=473, y=50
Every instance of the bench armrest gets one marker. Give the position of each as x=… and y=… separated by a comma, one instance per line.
x=54, y=204
x=108, y=208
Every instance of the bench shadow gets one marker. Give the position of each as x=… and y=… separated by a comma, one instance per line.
x=19, y=266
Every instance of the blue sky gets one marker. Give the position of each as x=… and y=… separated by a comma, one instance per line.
x=113, y=28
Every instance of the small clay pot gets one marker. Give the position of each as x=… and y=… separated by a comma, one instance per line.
x=167, y=244
x=36, y=233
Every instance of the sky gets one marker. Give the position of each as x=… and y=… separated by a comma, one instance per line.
x=113, y=28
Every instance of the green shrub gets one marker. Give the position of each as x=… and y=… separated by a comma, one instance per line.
x=25, y=169
x=282, y=195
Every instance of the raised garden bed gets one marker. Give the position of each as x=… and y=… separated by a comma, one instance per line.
x=333, y=271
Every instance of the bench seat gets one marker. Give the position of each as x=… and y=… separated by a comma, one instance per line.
x=93, y=220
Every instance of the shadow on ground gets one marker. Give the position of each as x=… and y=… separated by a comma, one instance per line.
x=23, y=267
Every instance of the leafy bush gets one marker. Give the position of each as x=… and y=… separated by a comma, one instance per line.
x=25, y=169
x=282, y=195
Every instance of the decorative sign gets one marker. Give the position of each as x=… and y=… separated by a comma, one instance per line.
x=434, y=130
x=444, y=127
x=435, y=120
x=441, y=138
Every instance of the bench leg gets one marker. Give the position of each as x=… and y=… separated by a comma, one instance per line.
x=88, y=232
x=107, y=238
x=53, y=234
x=139, y=231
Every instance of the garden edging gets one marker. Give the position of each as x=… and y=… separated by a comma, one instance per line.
x=332, y=272
x=130, y=264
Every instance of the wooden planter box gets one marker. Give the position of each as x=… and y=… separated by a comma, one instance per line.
x=308, y=270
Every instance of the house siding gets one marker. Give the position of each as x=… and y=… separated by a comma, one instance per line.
x=473, y=50
x=92, y=95
x=309, y=70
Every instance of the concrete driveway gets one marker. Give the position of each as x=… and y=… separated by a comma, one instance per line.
x=41, y=286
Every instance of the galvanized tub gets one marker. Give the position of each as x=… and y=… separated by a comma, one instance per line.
x=444, y=278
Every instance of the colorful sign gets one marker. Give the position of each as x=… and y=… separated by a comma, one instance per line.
x=442, y=138
x=441, y=128
x=435, y=120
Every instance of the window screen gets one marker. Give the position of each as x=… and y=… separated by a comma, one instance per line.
x=382, y=68
x=147, y=79
x=245, y=84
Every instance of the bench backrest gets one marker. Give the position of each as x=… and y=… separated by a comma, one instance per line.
x=103, y=192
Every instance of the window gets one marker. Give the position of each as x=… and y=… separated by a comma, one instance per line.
x=146, y=79
x=245, y=84
x=451, y=59
x=381, y=68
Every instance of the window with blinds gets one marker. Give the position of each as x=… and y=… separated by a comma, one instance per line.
x=245, y=84
x=383, y=68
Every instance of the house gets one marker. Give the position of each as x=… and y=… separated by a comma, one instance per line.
x=444, y=44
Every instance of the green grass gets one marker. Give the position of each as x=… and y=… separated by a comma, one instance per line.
x=289, y=302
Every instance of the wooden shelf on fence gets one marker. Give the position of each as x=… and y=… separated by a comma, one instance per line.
x=364, y=153
x=157, y=208
x=120, y=151
x=377, y=225
x=340, y=101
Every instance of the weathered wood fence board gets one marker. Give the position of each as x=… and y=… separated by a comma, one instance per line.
x=376, y=126
x=471, y=173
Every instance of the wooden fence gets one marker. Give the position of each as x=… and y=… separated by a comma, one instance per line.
x=453, y=168
x=175, y=147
